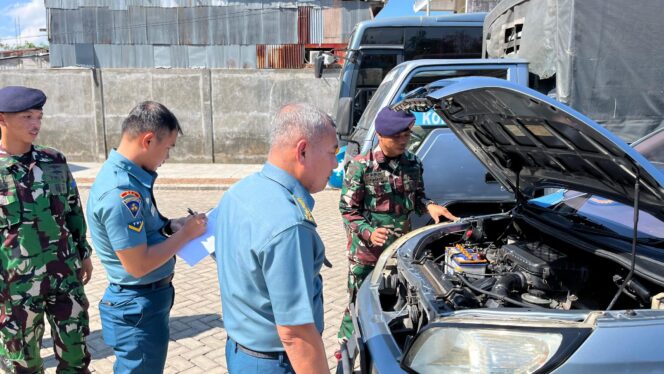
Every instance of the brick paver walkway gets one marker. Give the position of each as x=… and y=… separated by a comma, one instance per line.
x=197, y=328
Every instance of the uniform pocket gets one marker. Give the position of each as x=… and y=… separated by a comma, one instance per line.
x=10, y=207
x=410, y=187
x=379, y=197
x=118, y=316
x=55, y=176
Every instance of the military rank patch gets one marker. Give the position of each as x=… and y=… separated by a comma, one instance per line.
x=136, y=225
x=132, y=200
x=305, y=210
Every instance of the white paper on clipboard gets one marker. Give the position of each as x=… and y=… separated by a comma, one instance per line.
x=196, y=250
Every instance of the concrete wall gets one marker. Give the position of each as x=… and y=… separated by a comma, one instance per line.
x=69, y=123
x=225, y=114
x=244, y=101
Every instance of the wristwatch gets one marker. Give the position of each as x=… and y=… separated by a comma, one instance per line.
x=166, y=230
x=430, y=202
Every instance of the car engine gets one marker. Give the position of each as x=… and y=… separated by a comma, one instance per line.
x=528, y=272
x=501, y=263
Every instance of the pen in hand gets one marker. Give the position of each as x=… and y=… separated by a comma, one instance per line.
x=191, y=212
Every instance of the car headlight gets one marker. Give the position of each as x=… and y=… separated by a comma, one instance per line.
x=475, y=349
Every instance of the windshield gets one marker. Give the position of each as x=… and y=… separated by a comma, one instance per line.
x=376, y=100
x=601, y=214
x=612, y=215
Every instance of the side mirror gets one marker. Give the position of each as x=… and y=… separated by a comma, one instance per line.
x=344, y=114
x=318, y=65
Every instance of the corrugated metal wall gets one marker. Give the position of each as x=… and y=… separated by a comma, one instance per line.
x=125, y=4
x=303, y=24
x=196, y=33
x=282, y=56
x=316, y=26
x=332, y=25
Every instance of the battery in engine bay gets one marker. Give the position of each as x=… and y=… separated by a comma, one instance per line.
x=466, y=260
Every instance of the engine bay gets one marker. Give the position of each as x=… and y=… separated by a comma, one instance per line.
x=503, y=262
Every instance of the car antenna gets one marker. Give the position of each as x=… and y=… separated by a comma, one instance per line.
x=634, y=237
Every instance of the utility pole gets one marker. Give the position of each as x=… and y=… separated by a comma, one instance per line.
x=17, y=30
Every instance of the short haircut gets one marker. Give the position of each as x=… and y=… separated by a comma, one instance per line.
x=150, y=116
x=296, y=121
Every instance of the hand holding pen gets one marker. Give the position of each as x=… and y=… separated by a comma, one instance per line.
x=195, y=224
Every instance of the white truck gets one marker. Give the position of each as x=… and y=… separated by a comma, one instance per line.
x=601, y=57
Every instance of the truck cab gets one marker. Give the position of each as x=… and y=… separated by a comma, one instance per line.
x=377, y=46
x=435, y=145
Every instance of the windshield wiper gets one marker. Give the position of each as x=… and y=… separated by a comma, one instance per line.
x=579, y=218
x=591, y=227
x=572, y=217
x=581, y=223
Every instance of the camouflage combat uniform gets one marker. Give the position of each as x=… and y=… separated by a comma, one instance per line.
x=42, y=232
x=377, y=192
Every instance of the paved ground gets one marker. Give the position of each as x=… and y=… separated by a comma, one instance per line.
x=197, y=328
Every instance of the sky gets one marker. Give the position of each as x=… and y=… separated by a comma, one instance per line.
x=396, y=8
x=30, y=14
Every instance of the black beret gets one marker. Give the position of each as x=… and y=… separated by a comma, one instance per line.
x=15, y=99
x=390, y=122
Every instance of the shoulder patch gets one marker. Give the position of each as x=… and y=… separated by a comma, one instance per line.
x=132, y=201
x=305, y=210
x=136, y=225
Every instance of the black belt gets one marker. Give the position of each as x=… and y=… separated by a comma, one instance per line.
x=154, y=285
x=257, y=354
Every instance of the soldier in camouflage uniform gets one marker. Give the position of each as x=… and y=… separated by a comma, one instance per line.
x=44, y=255
x=379, y=192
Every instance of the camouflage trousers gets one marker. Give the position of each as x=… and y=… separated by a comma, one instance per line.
x=25, y=299
x=357, y=273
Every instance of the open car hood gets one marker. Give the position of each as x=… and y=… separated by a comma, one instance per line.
x=529, y=141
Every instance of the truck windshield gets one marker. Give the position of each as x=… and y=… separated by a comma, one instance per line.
x=378, y=97
x=428, y=42
x=382, y=48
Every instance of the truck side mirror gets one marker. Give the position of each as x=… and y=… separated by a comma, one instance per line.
x=344, y=113
x=318, y=65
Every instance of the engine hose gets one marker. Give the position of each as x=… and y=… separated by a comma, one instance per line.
x=508, y=282
x=495, y=295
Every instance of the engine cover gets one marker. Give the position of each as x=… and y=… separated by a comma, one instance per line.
x=546, y=267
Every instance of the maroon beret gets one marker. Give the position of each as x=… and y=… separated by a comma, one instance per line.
x=14, y=99
x=390, y=122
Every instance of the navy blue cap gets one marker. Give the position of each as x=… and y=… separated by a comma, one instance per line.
x=390, y=122
x=15, y=99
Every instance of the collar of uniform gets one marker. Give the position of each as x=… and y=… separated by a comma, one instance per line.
x=19, y=157
x=144, y=176
x=380, y=157
x=289, y=182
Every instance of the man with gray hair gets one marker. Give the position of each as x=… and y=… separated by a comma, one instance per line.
x=269, y=254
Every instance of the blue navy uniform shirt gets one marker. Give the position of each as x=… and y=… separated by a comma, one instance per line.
x=269, y=259
x=122, y=214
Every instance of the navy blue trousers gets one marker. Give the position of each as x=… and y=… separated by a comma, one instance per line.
x=135, y=324
x=239, y=362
